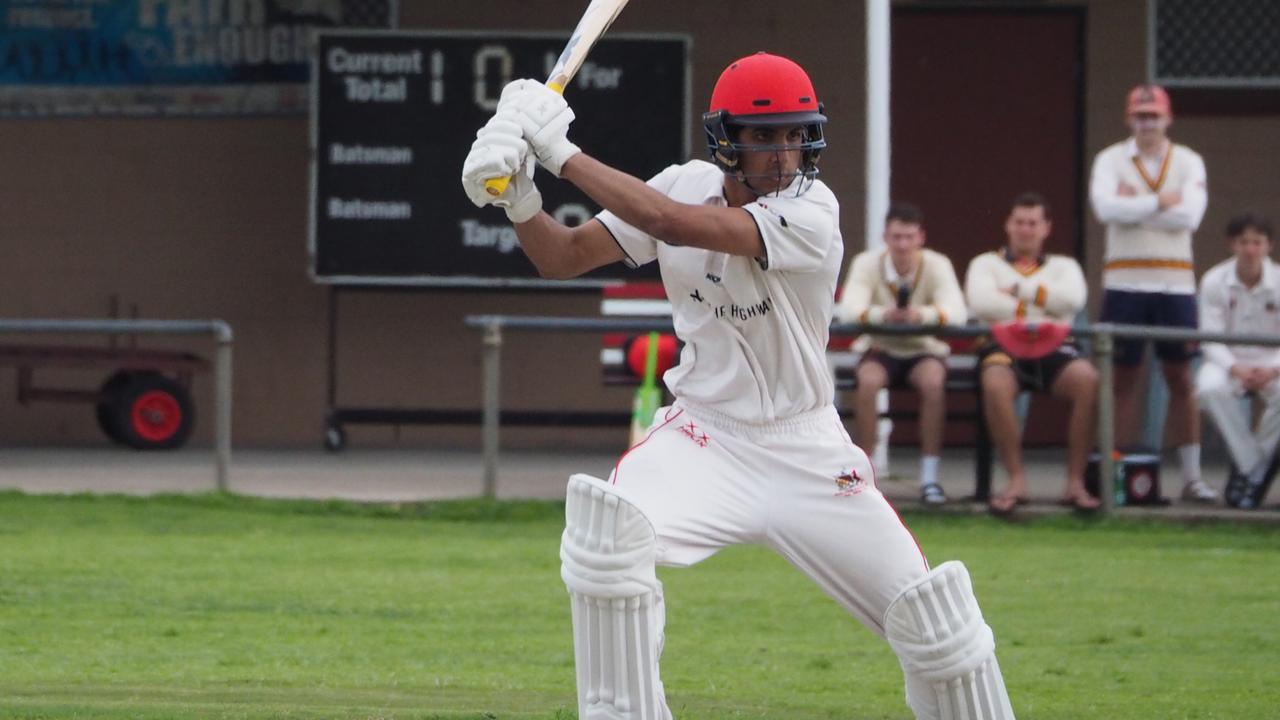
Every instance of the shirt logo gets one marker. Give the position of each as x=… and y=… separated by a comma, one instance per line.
x=849, y=483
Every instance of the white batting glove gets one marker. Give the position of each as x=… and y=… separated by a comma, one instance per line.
x=500, y=151
x=513, y=88
x=544, y=117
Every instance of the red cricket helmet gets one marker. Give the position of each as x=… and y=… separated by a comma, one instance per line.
x=763, y=89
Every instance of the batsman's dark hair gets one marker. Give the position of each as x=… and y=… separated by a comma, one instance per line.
x=1030, y=199
x=904, y=213
x=1248, y=220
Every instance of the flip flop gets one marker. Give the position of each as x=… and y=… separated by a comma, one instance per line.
x=1003, y=505
x=1075, y=503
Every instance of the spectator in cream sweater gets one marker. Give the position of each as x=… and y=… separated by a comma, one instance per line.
x=1020, y=281
x=903, y=284
x=1151, y=193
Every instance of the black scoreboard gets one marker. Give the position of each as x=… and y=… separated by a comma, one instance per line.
x=393, y=117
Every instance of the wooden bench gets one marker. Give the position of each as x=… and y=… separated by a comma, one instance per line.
x=962, y=381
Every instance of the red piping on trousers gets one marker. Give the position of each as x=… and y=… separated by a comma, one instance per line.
x=892, y=509
x=665, y=422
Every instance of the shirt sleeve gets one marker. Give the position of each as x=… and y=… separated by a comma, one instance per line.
x=986, y=300
x=1213, y=318
x=639, y=246
x=948, y=300
x=855, y=297
x=797, y=232
x=1187, y=214
x=1067, y=294
x=1108, y=205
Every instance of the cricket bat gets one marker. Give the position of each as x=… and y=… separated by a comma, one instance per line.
x=595, y=20
x=648, y=396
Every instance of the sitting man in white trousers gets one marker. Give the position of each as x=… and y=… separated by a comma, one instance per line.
x=1242, y=295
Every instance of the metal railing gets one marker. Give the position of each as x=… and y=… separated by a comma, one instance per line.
x=220, y=331
x=1103, y=336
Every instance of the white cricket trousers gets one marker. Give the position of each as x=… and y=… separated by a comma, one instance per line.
x=1220, y=394
x=798, y=486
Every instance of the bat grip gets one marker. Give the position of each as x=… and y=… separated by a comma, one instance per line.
x=497, y=186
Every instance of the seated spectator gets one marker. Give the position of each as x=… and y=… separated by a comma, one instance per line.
x=1242, y=295
x=903, y=284
x=1021, y=281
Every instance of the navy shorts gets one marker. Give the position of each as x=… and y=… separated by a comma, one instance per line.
x=898, y=369
x=1147, y=308
x=1033, y=375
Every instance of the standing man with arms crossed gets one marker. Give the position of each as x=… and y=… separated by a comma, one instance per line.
x=1242, y=295
x=1152, y=194
x=752, y=449
x=904, y=284
x=1022, y=282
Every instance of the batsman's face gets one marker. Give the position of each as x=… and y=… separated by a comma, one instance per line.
x=767, y=158
x=1251, y=249
x=1027, y=228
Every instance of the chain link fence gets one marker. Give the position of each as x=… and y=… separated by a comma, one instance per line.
x=1218, y=43
x=371, y=13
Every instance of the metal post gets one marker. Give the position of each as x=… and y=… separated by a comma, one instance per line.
x=1103, y=345
x=222, y=406
x=879, y=24
x=490, y=391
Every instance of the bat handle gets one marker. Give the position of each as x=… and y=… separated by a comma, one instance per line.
x=497, y=186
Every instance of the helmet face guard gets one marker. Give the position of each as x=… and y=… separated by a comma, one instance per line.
x=726, y=152
x=764, y=90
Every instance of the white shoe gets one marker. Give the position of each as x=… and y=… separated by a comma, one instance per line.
x=1199, y=491
x=932, y=494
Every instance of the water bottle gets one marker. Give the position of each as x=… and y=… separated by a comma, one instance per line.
x=1118, y=484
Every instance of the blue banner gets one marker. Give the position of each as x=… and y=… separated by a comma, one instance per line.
x=77, y=57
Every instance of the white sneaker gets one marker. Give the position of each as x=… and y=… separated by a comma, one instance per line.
x=1199, y=491
x=932, y=494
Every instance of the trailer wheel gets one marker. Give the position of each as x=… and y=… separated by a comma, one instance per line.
x=106, y=398
x=153, y=412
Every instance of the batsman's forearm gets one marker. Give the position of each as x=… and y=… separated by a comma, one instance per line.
x=626, y=196
x=549, y=246
x=672, y=222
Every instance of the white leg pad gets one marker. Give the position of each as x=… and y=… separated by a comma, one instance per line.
x=946, y=649
x=607, y=562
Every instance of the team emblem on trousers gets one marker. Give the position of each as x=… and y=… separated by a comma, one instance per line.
x=848, y=483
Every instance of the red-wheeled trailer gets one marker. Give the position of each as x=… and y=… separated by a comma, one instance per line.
x=144, y=402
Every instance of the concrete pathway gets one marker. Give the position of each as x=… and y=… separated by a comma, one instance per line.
x=398, y=475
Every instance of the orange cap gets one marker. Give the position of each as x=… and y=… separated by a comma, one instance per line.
x=1149, y=99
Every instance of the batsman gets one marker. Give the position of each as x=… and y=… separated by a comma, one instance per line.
x=751, y=450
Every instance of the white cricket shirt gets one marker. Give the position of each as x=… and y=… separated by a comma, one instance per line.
x=1227, y=305
x=755, y=331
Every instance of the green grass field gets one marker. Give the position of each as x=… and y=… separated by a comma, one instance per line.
x=227, y=607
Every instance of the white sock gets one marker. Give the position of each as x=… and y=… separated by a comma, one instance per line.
x=929, y=469
x=1259, y=472
x=1189, y=457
